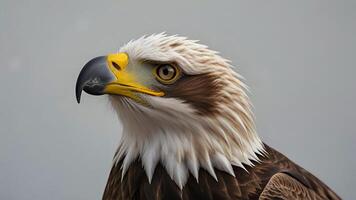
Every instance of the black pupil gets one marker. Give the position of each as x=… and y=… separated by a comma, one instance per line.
x=165, y=71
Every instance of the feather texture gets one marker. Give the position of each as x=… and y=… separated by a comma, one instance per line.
x=199, y=140
x=274, y=177
x=203, y=121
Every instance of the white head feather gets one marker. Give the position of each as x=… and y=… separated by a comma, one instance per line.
x=171, y=131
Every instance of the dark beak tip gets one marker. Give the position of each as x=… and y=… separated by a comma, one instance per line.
x=78, y=91
x=78, y=99
x=93, y=77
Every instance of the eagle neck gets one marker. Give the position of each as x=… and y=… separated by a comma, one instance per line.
x=184, y=143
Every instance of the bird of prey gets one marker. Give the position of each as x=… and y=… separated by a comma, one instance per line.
x=188, y=128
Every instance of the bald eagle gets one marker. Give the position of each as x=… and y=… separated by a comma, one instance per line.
x=188, y=128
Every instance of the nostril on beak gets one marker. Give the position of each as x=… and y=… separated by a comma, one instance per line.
x=116, y=65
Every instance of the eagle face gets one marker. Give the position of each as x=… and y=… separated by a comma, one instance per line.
x=180, y=104
x=159, y=67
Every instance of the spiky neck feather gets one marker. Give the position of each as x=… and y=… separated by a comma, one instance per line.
x=170, y=132
x=173, y=130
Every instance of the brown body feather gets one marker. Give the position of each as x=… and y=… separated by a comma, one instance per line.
x=274, y=177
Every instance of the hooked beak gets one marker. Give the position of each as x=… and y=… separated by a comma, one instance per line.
x=93, y=77
x=108, y=75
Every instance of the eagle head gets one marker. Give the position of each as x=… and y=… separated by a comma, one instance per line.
x=180, y=103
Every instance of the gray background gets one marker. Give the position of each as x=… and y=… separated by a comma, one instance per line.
x=298, y=58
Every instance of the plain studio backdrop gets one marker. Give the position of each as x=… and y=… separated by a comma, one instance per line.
x=298, y=57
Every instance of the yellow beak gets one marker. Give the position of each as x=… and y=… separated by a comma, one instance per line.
x=109, y=75
x=125, y=82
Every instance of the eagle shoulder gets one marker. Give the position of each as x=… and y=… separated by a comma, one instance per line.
x=274, y=177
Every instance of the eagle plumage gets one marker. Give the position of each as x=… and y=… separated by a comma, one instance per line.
x=273, y=177
x=188, y=127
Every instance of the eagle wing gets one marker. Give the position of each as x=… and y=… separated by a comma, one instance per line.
x=284, y=186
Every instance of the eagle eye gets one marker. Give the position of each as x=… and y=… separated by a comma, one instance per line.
x=167, y=74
